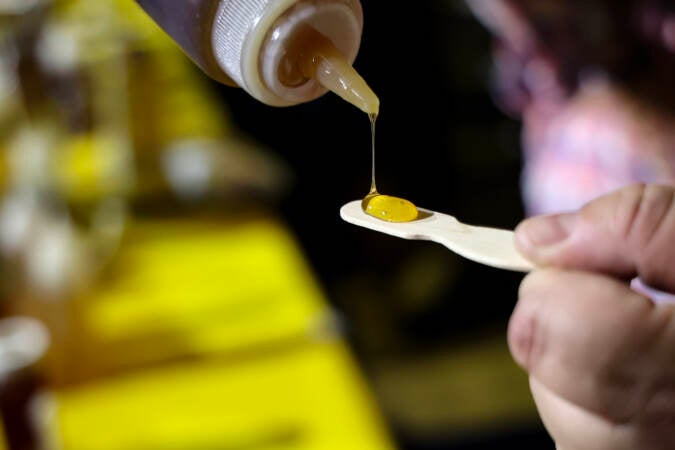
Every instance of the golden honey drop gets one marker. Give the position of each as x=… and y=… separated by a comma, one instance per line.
x=391, y=209
x=385, y=207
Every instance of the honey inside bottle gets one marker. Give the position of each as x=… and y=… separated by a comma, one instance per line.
x=311, y=55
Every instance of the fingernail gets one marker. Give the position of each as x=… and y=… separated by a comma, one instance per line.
x=546, y=230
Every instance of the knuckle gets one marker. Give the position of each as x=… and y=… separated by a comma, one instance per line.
x=653, y=232
x=523, y=334
x=527, y=328
x=647, y=207
x=642, y=221
x=536, y=281
x=628, y=208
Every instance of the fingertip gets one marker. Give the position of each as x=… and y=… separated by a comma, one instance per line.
x=544, y=231
x=523, y=243
x=535, y=237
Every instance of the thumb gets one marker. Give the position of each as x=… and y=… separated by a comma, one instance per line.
x=627, y=233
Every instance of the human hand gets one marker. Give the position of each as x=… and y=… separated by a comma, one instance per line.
x=600, y=356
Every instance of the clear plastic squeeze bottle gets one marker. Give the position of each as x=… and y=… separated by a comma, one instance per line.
x=282, y=52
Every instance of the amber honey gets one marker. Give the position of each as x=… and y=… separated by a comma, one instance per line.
x=313, y=56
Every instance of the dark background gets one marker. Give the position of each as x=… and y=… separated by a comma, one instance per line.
x=442, y=144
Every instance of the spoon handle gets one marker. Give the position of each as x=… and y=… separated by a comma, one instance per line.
x=490, y=246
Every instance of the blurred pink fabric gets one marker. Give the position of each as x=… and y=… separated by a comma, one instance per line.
x=594, y=84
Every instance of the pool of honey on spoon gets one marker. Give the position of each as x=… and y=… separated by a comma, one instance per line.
x=385, y=207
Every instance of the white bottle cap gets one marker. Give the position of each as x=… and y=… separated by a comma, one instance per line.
x=245, y=50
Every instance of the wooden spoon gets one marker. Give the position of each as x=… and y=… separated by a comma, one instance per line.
x=490, y=246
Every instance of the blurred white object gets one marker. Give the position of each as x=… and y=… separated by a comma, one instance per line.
x=19, y=212
x=655, y=295
x=57, y=48
x=189, y=166
x=23, y=342
x=57, y=257
x=18, y=6
x=197, y=168
x=54, y=258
